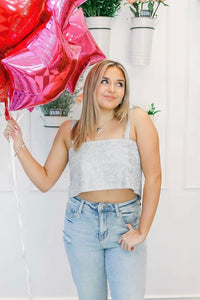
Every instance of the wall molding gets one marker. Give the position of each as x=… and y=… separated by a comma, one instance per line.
x=186, y=99
x=186, y=184
x=194, y=187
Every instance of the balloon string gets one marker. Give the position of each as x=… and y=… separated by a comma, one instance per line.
x=12, y=167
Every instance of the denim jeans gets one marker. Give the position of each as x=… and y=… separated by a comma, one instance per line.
x=91, y=233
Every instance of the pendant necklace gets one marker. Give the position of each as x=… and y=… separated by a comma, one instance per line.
x=99, y=129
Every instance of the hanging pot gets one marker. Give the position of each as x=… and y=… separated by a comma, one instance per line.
x=100, y=28
x=54, y=121
x=141, y=37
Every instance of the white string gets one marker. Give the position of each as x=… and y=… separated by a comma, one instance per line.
x=1, y=109
x=12, y=168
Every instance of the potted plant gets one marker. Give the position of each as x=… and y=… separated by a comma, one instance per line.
x=57, y=111
x=152, y=110
x=142, y=27
x=99, y=14
x=145, y=8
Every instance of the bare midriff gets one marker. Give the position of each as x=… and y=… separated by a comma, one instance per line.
x=108, y=196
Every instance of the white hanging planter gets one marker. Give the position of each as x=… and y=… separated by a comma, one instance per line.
x=54, y=121
x=100, y=28
x=141, y=37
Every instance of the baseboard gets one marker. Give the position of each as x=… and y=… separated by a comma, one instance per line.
x=172, y=298
x=75, y=298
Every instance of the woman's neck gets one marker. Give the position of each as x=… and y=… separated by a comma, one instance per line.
x=105, y=117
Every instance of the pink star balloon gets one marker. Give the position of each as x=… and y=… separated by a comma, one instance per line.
x=62, y=9
x=49, y=59
x=40, y=67
x=77, y=33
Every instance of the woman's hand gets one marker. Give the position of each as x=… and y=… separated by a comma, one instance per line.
x=131, y=238
x=13, y=130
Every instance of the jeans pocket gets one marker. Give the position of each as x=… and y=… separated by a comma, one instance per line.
x=131, y=216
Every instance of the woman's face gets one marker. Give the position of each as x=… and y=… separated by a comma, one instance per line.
x=111, y=89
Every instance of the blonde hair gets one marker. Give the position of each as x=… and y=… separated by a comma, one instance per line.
x=89, y=115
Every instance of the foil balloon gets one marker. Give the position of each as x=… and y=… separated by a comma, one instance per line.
x=3, y=81
x=4, y=85
x=17, y=19
x=62, y=9
x=40, y=67
x=77, y=33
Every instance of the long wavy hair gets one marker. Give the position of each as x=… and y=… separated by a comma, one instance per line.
x=89, y=118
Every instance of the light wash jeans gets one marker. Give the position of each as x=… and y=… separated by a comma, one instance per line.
x=91, y=233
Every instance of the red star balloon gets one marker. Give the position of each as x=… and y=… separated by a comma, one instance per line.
x=4, y=85
x=17, y=19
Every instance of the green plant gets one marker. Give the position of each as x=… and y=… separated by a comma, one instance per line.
x=136, y=6
x=104, y=8
x=64, y=102
x=152, y=110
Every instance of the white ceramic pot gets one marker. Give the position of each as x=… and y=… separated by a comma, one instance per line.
x=141, y=37
x=53, y=121
x=100, y=28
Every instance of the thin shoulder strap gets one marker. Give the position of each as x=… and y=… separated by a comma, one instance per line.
x=128, y=127
x=73, y=122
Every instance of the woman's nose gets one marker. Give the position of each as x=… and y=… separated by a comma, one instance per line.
x=112, y=87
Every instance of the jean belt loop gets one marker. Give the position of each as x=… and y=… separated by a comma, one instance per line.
x=117, y=210
x=81, y=207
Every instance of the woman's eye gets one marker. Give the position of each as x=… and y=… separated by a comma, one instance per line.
x=104, y=81
x=120, y=84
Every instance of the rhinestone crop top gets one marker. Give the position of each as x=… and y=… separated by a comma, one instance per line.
x=105, y=164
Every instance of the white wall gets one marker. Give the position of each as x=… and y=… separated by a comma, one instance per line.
x=172, y=82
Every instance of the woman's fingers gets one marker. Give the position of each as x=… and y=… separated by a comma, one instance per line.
x=125, y=243
x=125, y=240
x=15, y=124
x=12, y=129
x=126, y=246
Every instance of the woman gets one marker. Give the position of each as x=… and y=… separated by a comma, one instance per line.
x=107, y=149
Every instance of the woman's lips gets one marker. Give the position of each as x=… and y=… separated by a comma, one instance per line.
x=109, y=97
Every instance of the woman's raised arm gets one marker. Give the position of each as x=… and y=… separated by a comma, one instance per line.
x=44, y=177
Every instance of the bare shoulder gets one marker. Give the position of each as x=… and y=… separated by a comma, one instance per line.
x=66, y=125
x=142, y=124
x=64, y=132
x=140, y=117
x=139, y=114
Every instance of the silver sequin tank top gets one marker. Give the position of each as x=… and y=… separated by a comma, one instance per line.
x=105, y=164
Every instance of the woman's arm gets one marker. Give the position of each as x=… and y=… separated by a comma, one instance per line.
x=44, y=177
x=148, y=145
